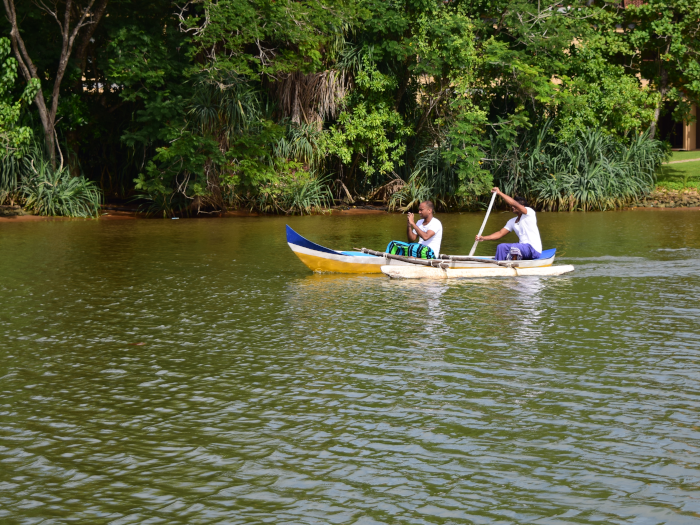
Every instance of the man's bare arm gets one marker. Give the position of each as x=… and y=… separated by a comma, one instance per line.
x=424, y=235
x=494, y=236
x=510, y=201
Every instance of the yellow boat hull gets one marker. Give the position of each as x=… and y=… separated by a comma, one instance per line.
x=321, y=264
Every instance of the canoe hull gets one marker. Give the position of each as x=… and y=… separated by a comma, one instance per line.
x=324, y=260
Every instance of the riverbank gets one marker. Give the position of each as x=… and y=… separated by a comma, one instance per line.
x=660, y=199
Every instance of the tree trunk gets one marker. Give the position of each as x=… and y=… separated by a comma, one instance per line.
x=402, y=89
x=663, y=89
x=50, y=143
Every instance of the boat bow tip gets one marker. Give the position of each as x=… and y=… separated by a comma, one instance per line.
x=296, y=239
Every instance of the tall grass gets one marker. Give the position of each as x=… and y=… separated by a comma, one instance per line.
x=595, y=171
x=49, y=191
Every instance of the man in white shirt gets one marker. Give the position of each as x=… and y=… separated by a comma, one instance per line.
x=525, y=227
x=428, y=229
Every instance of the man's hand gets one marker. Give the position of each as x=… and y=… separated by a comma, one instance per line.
x=479, y=238
x=496, y=190
x=410, y=228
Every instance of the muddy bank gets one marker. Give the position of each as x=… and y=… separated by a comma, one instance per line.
x=111, y=213
x=30, y=218
x=17, y=214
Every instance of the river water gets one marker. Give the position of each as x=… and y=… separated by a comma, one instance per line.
x=194, y=371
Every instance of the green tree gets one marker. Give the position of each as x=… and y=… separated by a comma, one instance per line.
x=658, y=41
x=71, y=21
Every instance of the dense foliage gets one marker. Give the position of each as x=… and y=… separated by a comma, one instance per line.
x=287, y=105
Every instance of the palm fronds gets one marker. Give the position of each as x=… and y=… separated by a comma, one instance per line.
x=311, y=98
x=225, y=110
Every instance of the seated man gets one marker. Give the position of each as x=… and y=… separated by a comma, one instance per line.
x=428, y=229
x=524, y=225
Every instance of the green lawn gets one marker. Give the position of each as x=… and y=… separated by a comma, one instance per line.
x=685, y=155
x=679, y=176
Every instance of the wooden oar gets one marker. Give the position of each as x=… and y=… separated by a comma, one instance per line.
x=483, y=224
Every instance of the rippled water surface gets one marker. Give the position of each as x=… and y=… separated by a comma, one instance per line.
x=194, y=371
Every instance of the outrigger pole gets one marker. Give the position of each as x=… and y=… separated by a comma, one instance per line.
x=436, y=263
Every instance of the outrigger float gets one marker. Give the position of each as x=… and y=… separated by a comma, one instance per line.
x=321, y=259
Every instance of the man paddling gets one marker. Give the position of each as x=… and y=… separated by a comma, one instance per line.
x=525, y=227
x=428, y=228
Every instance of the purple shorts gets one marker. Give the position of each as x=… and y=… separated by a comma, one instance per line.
x=527, y=251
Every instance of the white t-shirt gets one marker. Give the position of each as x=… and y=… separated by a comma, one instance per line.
x=526, y=229
x=435, y=241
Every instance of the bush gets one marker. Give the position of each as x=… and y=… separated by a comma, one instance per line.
x=49, y=191
x=410, y=195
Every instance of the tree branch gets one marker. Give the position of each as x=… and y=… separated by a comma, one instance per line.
x=41, y=5
x=68, y=40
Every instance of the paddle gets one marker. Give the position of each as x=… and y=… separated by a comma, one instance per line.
x=493, y=198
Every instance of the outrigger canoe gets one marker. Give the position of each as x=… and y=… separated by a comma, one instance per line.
x=321, y=259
